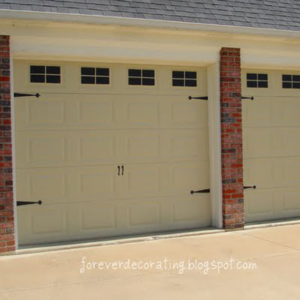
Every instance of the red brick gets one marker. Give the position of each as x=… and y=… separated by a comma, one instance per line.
x=11, y=243
x=231, y=138
x=7, y=237
x=3, y=250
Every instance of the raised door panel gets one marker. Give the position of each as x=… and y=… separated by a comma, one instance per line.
x=43, y=224
x=180, y=112
x=139, y=146
x=65, y=148
x=138, y=111
x=142, y=181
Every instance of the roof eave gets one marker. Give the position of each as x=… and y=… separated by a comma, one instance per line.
x=148, y=23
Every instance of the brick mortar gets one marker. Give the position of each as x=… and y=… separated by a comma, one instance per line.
x=231, y=138
x=7, y=225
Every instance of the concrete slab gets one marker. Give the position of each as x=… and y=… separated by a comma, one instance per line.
x=279, y=235
x=56, y=275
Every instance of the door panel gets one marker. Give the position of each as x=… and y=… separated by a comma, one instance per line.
x=72, y=142
x=271, y=133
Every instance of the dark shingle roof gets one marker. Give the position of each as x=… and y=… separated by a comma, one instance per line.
x=276, y=14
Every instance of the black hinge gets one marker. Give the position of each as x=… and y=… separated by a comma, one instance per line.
x=16, y=95
x=250, y=187
x=21, y=203
x=206, y=191
x=248, y=98
x=198, y=98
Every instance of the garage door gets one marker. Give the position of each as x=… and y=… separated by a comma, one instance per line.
x=272, y=144
x=111, y=150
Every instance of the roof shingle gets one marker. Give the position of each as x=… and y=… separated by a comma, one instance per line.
x=276, y=14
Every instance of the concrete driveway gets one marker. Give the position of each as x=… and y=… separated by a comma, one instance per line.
x=250, y=264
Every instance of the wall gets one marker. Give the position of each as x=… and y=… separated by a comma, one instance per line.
x=110, y=43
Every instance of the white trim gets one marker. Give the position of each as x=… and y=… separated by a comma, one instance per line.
x=12, y=107
x=214, y=131
x=121, y=21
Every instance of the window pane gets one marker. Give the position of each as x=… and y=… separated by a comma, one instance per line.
x=53, y=70
x=135, y=73
x=296, y=85
x=287, y=85
x=178, y=82
x=148, y=81
x=178, y=74
x=191, y=75
x=53, y=79
x=87, y=71
x=262, y=76
x=37, y=69
x=87, y=80
x=190, y=83
x=252, y=84
x=262, y=84
x=135, y=81
x=148, y=73
x=287, y=77
x=296, y=77
x=252, y=76
x=102, y=71
x=37, y=78
x=102, y=80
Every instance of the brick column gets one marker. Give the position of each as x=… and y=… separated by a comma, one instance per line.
x=7, y=234
x=231, y=139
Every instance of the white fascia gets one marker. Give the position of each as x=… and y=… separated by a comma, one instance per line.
x=147, y=23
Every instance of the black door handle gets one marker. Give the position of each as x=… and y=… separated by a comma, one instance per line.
x=119, y=169
x=122, y=170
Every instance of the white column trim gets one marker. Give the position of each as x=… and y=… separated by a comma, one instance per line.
x=214, y=131
x=12, y=107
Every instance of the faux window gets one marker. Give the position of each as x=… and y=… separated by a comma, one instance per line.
x=257, y=80
x=184, y=78
x=45, y=74
x=95, y=75
x=141, y=77
x=291, y=81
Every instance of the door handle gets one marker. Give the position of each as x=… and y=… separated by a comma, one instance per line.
x=122, y=170
x=119, y=169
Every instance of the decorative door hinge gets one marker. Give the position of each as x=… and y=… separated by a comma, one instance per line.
x=205, y=191
x=250, y=187
x=21, y=203
x=17, y=95
x=198, y=98
x=248, y=98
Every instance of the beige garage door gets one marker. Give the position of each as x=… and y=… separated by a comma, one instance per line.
x=272, y=144
x=110, y=150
